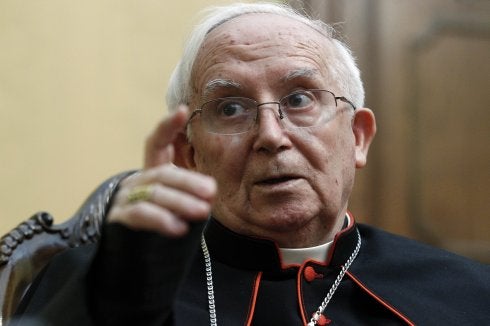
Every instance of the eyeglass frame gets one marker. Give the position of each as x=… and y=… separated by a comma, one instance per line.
x=257, y=105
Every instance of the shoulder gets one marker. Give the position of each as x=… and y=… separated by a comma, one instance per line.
x=391, y=248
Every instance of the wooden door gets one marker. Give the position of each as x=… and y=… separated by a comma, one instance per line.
x=426, y=68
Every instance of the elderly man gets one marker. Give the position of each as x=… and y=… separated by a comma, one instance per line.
x=267, y=132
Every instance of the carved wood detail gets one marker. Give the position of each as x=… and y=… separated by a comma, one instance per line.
x=26, y=249
x=40, y=222
x=83, y=228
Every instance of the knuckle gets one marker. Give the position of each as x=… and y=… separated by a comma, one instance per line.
x=138, y=210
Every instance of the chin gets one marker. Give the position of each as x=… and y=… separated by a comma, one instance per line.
x=285, y=220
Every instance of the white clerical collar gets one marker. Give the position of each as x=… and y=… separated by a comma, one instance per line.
x=297, y=256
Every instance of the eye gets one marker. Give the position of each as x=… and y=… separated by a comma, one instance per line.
x=298, y=100
x=230, y=108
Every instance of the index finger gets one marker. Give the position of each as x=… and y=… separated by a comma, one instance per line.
x=158, y=148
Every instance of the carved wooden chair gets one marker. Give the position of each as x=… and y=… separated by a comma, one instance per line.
x=25, y=250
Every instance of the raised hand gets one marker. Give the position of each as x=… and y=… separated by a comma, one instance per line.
x=163, y=197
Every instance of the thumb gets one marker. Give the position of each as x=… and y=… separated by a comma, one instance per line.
x=158, y=148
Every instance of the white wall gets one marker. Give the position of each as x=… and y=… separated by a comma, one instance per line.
x=81, y=85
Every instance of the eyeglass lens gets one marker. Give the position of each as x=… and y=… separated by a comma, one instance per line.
x=234, y=115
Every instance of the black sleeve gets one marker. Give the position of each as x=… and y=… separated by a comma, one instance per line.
x=135, y=276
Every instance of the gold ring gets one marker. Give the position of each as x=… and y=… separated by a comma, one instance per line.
x=140, y=193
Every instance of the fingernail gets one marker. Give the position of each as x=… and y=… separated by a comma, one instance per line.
x=183, y=108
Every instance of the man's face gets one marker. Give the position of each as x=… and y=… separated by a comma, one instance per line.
x=291, y=185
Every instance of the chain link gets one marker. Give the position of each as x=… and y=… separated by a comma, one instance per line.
x=209, y=282
x=213, y=321
x=335, y=285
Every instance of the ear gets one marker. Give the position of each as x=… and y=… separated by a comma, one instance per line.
x=184, y=152
x=364, y=128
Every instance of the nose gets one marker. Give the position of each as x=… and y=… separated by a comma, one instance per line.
x=270, y=134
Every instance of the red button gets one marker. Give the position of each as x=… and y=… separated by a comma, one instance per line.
x=310, y=274
x=322, y=321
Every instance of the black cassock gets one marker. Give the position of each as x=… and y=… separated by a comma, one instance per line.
x=140, y=278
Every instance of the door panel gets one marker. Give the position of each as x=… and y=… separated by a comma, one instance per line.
x=426, y=68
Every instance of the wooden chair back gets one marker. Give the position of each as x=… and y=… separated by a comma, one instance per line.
x=26, y=250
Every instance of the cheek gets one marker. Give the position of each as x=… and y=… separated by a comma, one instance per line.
x=346, y=165
x=332, y=156
x=343, y=159
x=222, y=157
x=324, y=149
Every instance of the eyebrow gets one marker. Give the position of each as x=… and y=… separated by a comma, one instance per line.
x=216, y=84
x=219, y=83
x=300, y=73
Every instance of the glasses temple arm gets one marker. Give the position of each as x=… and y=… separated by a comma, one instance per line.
x=343, y=99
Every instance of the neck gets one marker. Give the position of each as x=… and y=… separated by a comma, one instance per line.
x=318, y=253
x=317, y=232
x=255, y=253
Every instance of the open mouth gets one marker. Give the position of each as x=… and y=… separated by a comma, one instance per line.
x=273, y=181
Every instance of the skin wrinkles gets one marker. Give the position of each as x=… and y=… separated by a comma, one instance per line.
x=240, y=55
x=253, y=50
x=319, y=162
x=216, y=84
x=221, y=69
x=300, y=73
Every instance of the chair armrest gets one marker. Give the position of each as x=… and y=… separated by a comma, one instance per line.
x=27, y=249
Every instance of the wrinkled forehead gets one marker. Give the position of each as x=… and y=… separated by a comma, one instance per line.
x=260, y=29
x=255, y=36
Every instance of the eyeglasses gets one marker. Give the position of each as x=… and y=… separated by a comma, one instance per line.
x=235, y=115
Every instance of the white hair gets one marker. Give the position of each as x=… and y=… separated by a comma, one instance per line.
x=342, y=68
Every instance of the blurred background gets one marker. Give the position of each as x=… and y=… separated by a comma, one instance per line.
x=83, y=82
